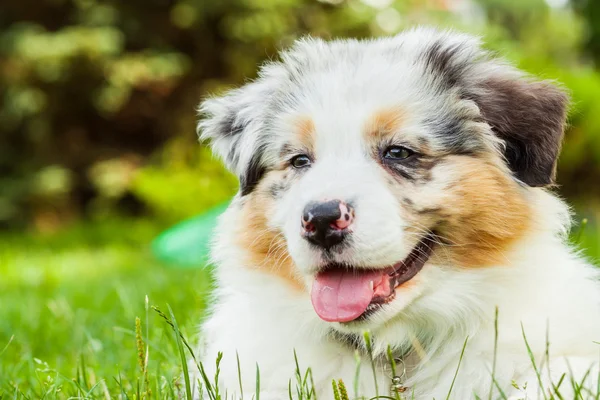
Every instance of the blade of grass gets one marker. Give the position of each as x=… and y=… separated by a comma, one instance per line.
x=239, y=372
x=391, y=360
x=105, y=389
x=7, y=344
x=305, y=388
x=557, y=386
x=186, y=375
x=120, y=383
x=147, y=389
x=547, y=352
x=369, y=345
x=209, y=389
x=171, y=389
x=532, y=358
x=547, y=360
x=168, y=321
x=502, y=394
x=356, y=373
x=495, y=354
x=299, y=383
x=462, y=353
x=257, y=382
x=580, y=385
x=313, y=393
x=200, y=389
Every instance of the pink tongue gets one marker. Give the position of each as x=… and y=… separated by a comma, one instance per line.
x=343, y=295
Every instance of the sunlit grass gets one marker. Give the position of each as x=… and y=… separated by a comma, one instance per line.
x=68, y=309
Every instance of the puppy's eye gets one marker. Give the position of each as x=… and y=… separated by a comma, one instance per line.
x=300, y=161
x=397, y=153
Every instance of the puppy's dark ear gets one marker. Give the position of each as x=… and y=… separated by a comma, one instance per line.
x=530, y=118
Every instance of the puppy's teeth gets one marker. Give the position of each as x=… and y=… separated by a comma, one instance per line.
x=371, y=285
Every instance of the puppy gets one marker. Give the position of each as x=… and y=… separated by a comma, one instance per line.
x=397, y=186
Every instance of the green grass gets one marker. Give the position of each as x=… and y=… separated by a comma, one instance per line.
x=68, y=308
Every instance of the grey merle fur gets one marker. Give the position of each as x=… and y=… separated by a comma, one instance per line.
x=528, y=116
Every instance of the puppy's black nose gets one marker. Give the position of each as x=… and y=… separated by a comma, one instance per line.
x=326, y=224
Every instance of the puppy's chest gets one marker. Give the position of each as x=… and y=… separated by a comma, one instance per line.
x=393, y=369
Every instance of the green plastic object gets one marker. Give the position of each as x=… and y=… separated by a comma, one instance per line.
x=187, y=243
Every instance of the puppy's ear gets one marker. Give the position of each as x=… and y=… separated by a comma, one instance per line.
x=529, y=117
x=232, y=123
x=221, y=124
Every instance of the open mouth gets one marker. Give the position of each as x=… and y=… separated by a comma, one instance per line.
x=342, y=294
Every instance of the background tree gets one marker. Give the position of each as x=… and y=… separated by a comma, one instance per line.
x=97, y=98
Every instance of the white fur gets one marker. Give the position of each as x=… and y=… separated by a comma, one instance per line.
x=543, y=286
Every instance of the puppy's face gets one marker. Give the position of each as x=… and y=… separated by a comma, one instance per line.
x=366, y=166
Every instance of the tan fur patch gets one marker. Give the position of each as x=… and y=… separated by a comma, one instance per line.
x=265, y=247
x=485, y=212
x=305, y=131
x=474, y=205
x=384, y=123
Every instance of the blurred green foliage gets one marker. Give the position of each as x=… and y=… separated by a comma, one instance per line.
x=98, y=97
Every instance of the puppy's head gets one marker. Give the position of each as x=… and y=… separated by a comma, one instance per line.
x=364, y=164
